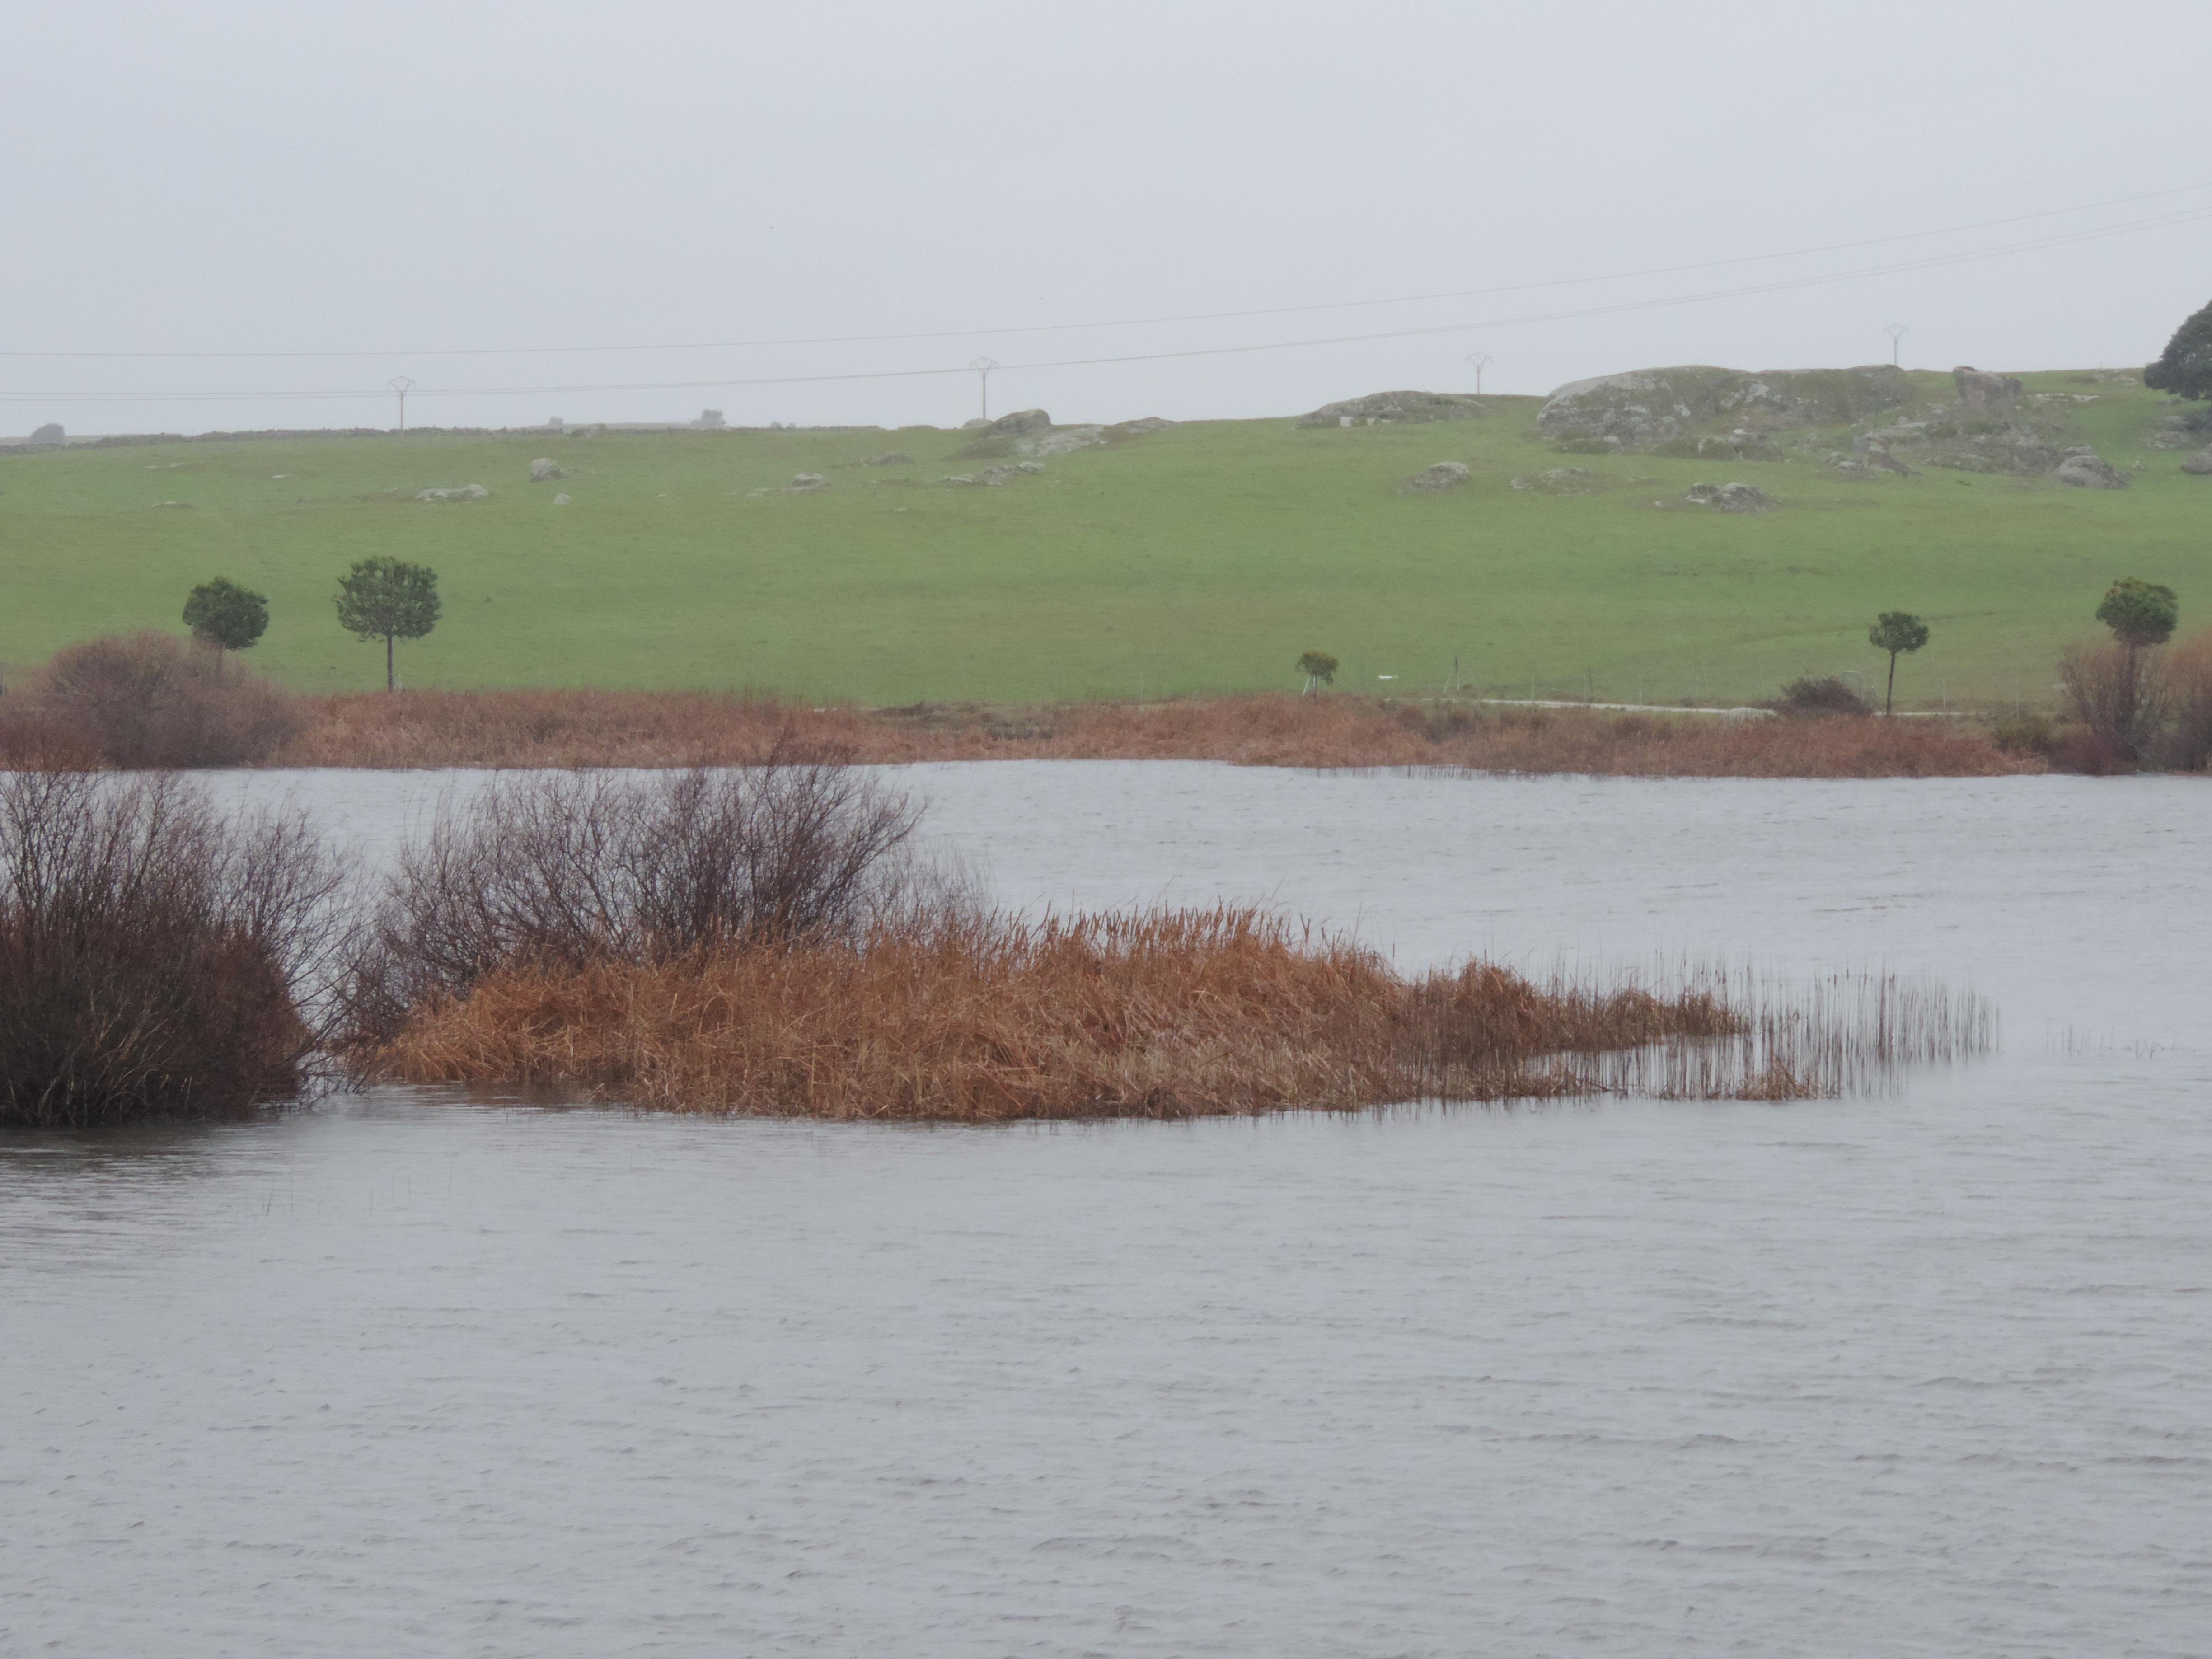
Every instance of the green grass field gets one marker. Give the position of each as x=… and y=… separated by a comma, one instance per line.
x=1202, y=558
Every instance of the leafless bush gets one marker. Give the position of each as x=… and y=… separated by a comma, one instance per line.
x=154, y=957
x=149, y=700
x=2119, y=692
x=563, y=871
x=2187, y=745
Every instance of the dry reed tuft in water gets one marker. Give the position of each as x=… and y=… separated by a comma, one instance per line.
x=663, y=729
x=1168, y=1014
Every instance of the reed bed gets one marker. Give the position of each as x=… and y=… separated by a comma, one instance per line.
x=687, y=729
x=1164, y=1015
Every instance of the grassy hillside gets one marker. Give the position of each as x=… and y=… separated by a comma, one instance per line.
x=1205, y=557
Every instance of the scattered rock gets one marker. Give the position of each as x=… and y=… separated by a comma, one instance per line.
x=2083, y=470
x=1066, y=442
x=1877, y=456
x=975, y=425
x=1652, y=406
x=1988, y=396
x=1729, y=497
x=896, y=458
x=2201, y=463
x=805, y=482
x=1030, y=467
x=1561, y=481
x=187, y=505
x=1396, y=409
x=560, y=500
x=1022, y=423
x=965, y=480
x=1740, y=444
x=458, y=493
x=1138, y=428
x=1445, y=475
x=543, y=469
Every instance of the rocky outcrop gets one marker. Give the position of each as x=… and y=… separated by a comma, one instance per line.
x=1396, y=409
x=804, y=482
x=1022, y=423
x=2084, y=470
x=1729, y=497
x=896, y=458
x=1445, y=475
x=543, y=471
x=458, y=493
x=1984, y=395
x=2201, y=464
x=1652, y=406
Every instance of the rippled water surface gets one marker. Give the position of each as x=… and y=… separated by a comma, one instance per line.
x=1931, y=1375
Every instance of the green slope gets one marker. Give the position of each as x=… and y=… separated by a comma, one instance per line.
x=1200, y=558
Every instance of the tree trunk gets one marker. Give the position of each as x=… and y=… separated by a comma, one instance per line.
x=1889, y=697
x=390, y=684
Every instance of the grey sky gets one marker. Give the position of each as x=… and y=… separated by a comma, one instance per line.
x=238, y=177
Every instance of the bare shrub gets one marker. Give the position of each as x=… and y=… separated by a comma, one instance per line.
x=1820, y=696
x=2188, y=746
x=2119, y=692
x=562, y=871
x=154, y=957
x=142, y=701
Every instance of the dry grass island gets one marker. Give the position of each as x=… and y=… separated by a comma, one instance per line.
x=772, y=940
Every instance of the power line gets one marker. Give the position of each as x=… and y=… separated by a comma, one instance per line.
x=1785, y=285
x=1126, y=322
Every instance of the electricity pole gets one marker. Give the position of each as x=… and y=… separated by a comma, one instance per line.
x=1477, y=361
x=403, y=386
x=1896, y=331
x=983, y=366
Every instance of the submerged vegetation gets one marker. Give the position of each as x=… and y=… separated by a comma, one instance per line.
x=765, y=944
x=155, y=957
x=774, y=940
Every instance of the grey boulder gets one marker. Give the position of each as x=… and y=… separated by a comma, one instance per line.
x=1729, y=497
x=1985, y=394
x=2201, y=463
x=1396, y=409
x=458, y=493
x=2084, y=470
x=1445, y=475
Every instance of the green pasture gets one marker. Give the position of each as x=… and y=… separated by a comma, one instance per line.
x=1206, y=557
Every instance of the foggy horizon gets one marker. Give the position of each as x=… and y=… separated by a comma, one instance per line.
x=400, y=183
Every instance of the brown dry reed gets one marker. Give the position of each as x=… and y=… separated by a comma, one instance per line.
x=685, y=729
x=155, y=957
x=896, y=999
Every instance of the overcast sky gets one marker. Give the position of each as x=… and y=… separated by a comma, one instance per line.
x=408, y=179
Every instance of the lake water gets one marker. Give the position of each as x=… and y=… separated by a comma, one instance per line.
x=411, y=1374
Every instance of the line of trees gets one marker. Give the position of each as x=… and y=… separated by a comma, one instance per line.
x=384, y=599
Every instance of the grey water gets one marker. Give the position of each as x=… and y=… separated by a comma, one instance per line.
x=416, y=1373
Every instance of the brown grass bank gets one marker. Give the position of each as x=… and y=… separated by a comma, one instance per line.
x=1166, y=1015
x=680, y=729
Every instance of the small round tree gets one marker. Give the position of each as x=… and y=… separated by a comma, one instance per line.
x=2185, y=368
x=388, y=599
x=2139, y=613
x=1319, y=668
x=1895, y=632
x=222, y=613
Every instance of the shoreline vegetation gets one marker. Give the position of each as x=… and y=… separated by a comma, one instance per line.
x=572, y=728
x=152, y=702
x=774, y=940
